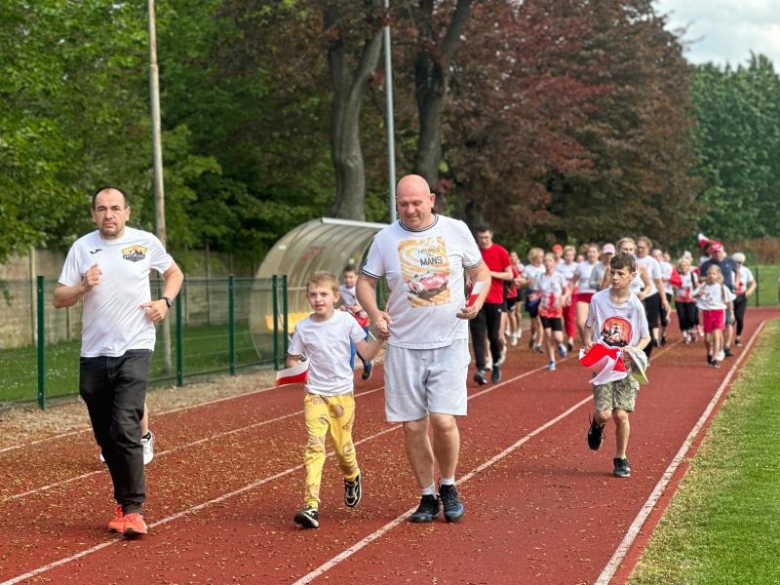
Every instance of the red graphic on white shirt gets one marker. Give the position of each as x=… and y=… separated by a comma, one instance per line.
x=616, y=332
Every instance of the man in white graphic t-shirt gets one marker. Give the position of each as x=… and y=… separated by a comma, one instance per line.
x=423, y=256
x=109, y=269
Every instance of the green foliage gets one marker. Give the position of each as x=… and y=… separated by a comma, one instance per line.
x=738, y=138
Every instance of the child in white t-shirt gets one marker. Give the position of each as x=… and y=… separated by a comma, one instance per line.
x=712, y=299
x=350, y=305
x=329, y=404
x=616, y=318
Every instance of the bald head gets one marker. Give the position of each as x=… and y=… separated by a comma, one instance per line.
x=110, y=212
x=414, y=201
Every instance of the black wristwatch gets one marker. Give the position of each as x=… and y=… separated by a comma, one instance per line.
x=168, y=301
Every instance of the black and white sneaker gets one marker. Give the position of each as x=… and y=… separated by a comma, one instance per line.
x=450, y=500
x=479, y=377
x=622, y=467
x=595, y=435
x=368, y=368
x=427, y=510
x=353, y=491
x=308, y=517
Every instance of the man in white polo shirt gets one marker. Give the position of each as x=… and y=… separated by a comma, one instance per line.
x=109, y=269
x=424, y=256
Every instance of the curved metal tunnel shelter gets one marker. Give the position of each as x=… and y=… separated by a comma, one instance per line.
x=320, y=244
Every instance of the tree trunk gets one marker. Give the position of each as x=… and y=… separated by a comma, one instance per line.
x=348, y=89
x=432, y=75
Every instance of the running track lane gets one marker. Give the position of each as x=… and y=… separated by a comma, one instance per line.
x=529, y=504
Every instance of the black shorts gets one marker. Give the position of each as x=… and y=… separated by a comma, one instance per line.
x=510, y=304
x=554, y=323
x=532, y=308
x=653, y=310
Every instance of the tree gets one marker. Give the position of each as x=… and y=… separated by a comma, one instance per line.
x=737, y=140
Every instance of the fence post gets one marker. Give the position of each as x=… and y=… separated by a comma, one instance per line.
x=758, y=285
x=179, y=341
x=41, y=347
x=285, y=324
x=275, y=320
x=232, y=324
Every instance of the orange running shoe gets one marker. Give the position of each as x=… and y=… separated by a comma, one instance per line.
x=134, y=525
x=117, y=523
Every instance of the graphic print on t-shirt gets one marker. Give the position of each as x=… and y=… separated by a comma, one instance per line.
x=425, y=267
x=616, y=332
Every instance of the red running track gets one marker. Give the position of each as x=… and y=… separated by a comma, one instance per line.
x=227, y=478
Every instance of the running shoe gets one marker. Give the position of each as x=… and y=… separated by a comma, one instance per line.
x=450, y=501
x=622, y=467
x=495, y=375
x=532, y=341
x=502, y=358
x=308, y=517
x=513, y=339
x=738, y=342
x=102, y=457
x=353, y=491
x=551, y=365
x=147, y=442
x=570, y=345
x=710, y=360
x=664, y=340
x=117, y=523
x=562, y=350
x=538, y=348
x=595, y=435
x=489, y=364
x=134, y=525
x=368, y=369
x=720, y=356
x=427, y=510
x=727, y=353
x=479, y=377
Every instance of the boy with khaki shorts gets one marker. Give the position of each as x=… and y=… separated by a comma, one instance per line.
x=616, y=318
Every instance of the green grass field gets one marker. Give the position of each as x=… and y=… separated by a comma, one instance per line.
x=205, y=350
x=722, y=526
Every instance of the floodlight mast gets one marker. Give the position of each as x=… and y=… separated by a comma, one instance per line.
x=390, y=121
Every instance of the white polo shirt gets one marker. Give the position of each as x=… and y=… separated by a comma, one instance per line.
x=113, y=320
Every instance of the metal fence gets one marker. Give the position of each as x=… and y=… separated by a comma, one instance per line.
x=215, y=326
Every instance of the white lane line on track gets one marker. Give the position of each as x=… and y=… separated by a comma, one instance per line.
x=633, y=530
x=400, y=519
x=169, y=451
x=161, y=413
x=308, y=578
x=226, y=496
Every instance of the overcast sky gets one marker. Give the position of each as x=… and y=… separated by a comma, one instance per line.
x=727, y=30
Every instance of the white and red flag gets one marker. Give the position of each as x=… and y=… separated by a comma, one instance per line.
x=606, y=361
x=298, y=373
x=478, y=286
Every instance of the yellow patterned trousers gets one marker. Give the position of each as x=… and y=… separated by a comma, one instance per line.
x=337, y=415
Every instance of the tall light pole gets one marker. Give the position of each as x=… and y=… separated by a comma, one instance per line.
x=159, y=190
x=390, y=122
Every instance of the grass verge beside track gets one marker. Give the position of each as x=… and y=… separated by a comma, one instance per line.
x=721, y=526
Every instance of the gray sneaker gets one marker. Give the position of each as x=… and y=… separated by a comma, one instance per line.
x=479, y=377
x=353, y=491
x=622, y=467
x=427, y=510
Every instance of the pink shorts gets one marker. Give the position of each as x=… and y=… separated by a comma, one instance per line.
x=583, y=297
x=714, y=319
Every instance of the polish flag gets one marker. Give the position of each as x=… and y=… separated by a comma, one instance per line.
x=478, y=286
x=605, y=361
x=298, y=373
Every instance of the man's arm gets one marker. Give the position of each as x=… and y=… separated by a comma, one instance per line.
x=366, y=295
x=506, y=274
x=478, y=273
x=292, y=360
x=172, y=279
x=67, y=296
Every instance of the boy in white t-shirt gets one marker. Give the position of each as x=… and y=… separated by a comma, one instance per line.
x=616, y=318
x=329, y=404
x=349, y=303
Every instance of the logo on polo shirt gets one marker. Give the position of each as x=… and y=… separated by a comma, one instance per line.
x=134, y=253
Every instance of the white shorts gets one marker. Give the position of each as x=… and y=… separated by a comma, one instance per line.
x=423, y=381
